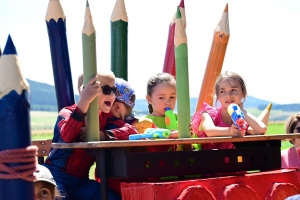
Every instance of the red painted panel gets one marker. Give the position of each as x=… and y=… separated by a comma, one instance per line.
x=281, y=191
x=238, y=192
x=262, y=185
x=196, y=192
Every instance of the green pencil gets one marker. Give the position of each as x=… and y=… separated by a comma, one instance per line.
x=182, y=78
x=89, y=71
x=119, y=40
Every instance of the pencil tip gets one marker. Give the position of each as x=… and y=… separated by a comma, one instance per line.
x=9, y=47
x=226, y=8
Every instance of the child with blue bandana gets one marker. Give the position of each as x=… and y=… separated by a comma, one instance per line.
x=121, y=110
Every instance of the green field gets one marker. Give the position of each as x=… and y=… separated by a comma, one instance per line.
x=42, y=128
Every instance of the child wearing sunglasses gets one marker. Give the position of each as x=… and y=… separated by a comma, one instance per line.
x=290, y=157
x=70, y=167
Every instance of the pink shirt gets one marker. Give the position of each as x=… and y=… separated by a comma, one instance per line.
x=215, y=114
x=290, y=158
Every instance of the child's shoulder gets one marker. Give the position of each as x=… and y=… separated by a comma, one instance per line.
x=66, y=111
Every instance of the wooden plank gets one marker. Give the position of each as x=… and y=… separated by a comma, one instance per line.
x=135, y=143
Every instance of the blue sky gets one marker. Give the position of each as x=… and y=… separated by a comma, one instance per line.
x=263, y=45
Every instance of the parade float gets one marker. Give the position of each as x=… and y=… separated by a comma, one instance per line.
x=250, y=171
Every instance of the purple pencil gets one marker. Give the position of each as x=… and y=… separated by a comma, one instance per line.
x=56, y=25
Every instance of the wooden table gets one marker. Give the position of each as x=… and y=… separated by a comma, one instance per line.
x=100, y=148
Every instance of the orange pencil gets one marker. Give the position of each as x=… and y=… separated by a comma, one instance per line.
x=215, y=60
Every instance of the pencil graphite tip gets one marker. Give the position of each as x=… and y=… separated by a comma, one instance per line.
x=88, y=26
x=9, y=47
x=269, y=107
x=87, y=4
x=181, y=4
x=178, y=13
x=226, y=8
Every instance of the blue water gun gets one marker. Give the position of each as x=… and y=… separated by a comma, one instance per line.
x=152, y=133
x=237, y=117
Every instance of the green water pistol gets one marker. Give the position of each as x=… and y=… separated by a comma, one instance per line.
x=171, y=119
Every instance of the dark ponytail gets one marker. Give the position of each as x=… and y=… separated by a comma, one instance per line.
x=150, y=108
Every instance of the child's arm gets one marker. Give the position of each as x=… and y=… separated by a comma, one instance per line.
x=121, y=133
x=255, y=125
x=207, y=125
x=88, y=94
x=70, y=126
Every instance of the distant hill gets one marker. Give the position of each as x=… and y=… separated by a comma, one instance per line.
x=43, y=98
x=251, y=102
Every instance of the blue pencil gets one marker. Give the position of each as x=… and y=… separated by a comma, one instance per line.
x=14, y=119
x=56, y=25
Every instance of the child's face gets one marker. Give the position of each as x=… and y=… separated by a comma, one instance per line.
x=105, y=102
x=120, y=110
x=296, y=141
x=41, y=192
x=163, y=95
x=230, y=91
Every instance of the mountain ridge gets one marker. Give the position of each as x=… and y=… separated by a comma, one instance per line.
x=43, y=98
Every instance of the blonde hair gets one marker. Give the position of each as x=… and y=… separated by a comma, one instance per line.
x=101, y=74
x=232, y=75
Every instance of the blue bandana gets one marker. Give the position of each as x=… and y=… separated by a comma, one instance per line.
x=124, y=92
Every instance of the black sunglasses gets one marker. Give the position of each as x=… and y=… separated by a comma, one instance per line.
x=298, y=129
x=107, y=89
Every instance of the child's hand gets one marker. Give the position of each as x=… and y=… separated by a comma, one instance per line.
x=88, y=94
x=191, y=129
x=91, y=90
x=174, y=134
x=235, y=132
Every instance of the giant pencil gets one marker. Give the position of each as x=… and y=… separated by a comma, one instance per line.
x=119, y=40
x=89, y=71
x=169, y=63
x=215, y=60
x=264, y=116
x=183, y=95
x=56, y=25
x=14, y=119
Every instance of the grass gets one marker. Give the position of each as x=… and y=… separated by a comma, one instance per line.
x=278, y=128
